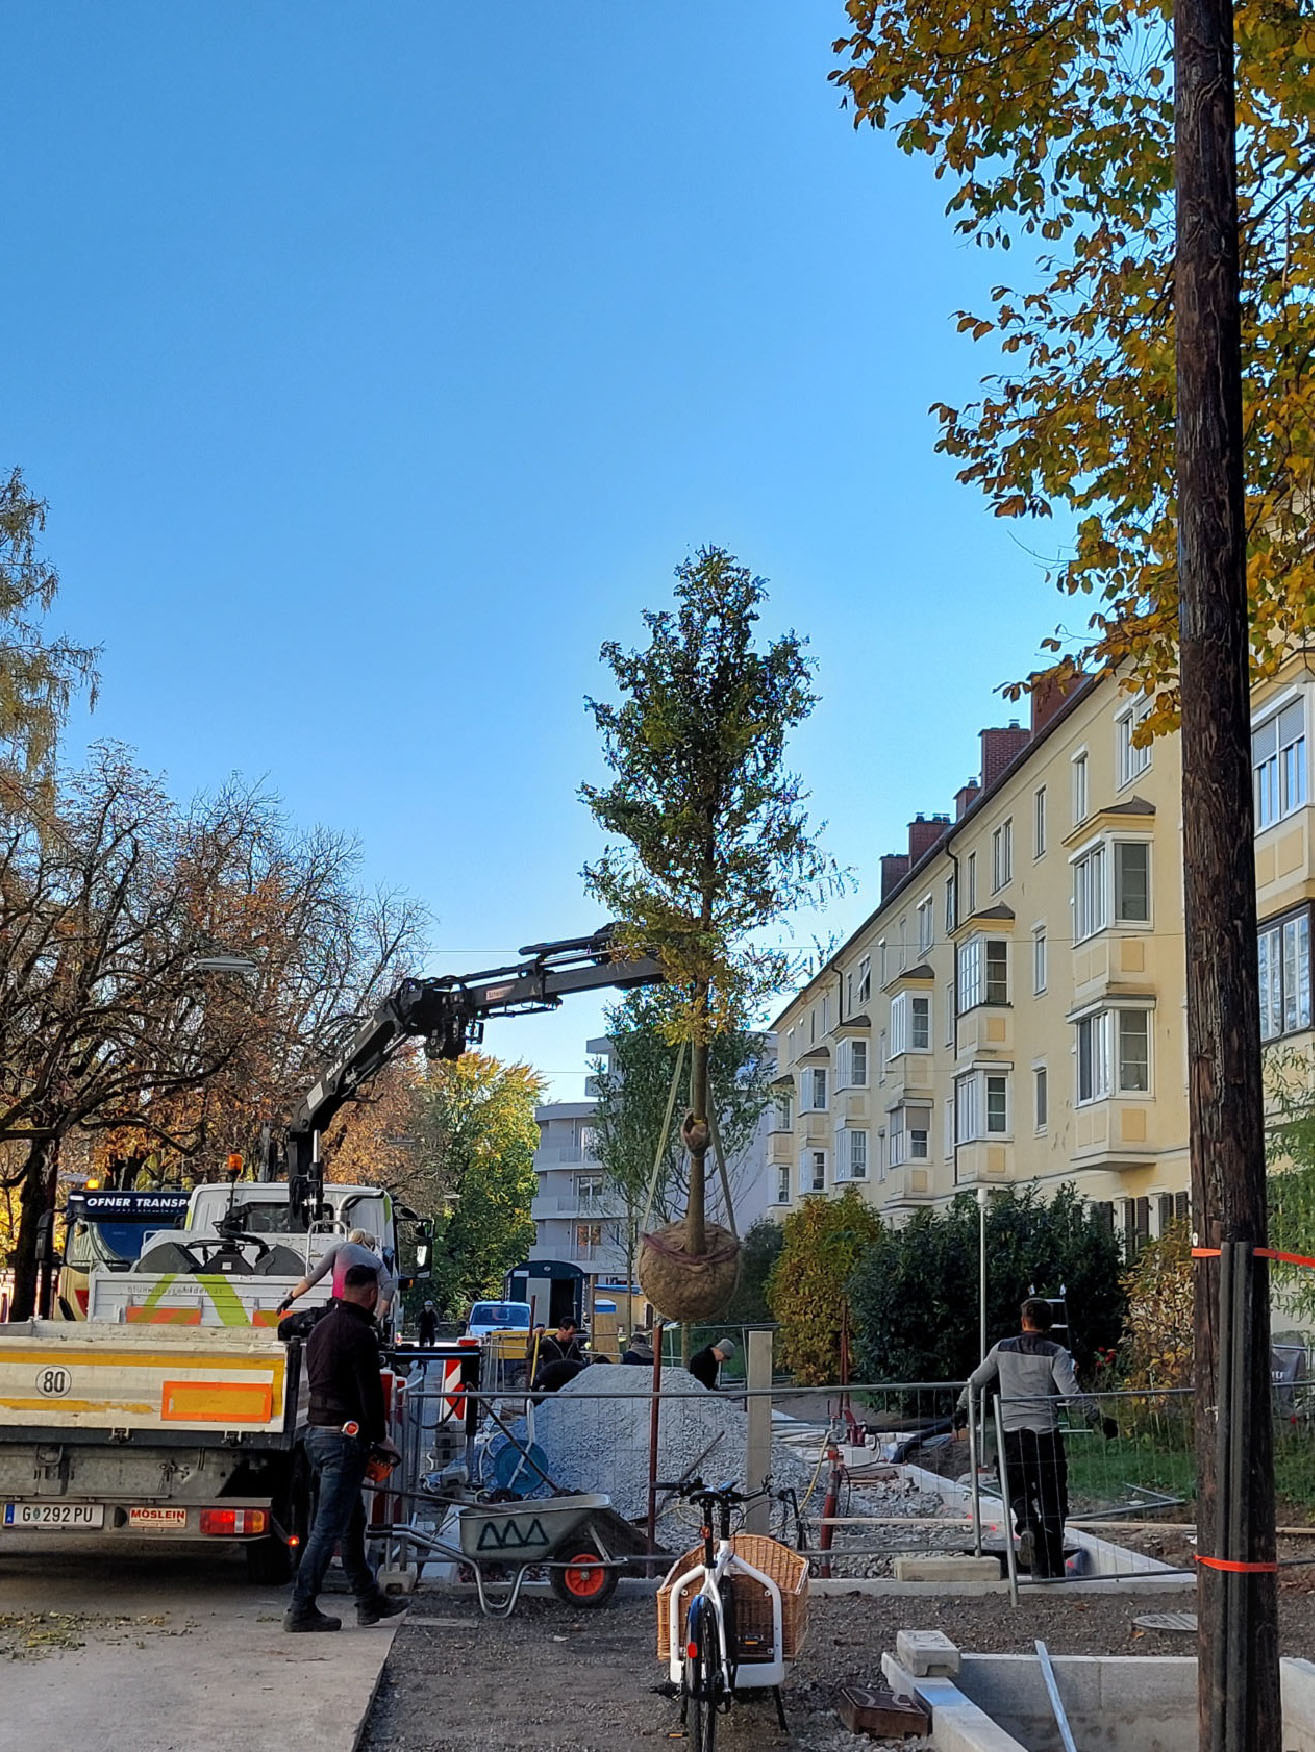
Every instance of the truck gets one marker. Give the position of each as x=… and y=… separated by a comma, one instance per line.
x=175, y=1411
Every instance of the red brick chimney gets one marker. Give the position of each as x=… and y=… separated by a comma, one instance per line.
x=1049, y=693
x=894, y=868
x=999, y=747
x=923, y=835
x=964, y=798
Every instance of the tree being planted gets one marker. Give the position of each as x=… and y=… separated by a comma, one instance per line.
x=711, y=847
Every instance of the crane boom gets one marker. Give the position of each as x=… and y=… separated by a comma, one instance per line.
x=449, y=1012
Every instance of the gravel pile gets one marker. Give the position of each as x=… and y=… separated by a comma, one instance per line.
x=594, y=1433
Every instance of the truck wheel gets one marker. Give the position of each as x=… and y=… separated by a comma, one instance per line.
x=586, y=1581
x=268, y=1562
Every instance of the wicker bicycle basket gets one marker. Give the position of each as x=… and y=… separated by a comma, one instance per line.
x=753, y=1604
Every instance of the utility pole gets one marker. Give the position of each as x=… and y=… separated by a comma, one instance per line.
x=1238, y=1694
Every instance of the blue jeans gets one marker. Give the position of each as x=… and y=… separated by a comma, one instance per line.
x=339, y=1463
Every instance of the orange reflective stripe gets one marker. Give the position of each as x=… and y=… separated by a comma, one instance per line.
x=1240, y=1569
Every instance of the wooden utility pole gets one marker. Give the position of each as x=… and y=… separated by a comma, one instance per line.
x=1238, y=1642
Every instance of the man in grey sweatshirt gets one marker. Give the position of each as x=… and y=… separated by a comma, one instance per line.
x=1034, y=1377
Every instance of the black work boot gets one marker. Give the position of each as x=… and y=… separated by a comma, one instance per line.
x=309, y=1618
x=379, y=1607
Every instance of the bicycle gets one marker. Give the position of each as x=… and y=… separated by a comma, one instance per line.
x=709, y=1659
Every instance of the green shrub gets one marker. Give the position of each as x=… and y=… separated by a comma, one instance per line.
x=821, y=1243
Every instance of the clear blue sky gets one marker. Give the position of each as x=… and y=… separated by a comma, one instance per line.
x=379, y=362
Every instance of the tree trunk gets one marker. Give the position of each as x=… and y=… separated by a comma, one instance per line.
x=696, y=1209
x=1219, y=895
x=34, y=1200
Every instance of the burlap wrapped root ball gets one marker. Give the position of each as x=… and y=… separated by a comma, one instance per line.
x=686, y=1286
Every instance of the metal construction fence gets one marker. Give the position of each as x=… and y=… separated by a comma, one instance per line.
x=853, y=1476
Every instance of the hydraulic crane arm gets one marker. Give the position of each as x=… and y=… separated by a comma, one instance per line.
x=449, y=1012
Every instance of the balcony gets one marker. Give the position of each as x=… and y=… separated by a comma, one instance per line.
x=905, y=1188
x=549, y=1207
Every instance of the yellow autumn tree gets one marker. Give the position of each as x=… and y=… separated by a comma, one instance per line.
x=808, y=1284
x=1053, y=128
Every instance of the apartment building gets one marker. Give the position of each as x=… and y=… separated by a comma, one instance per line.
x=576, y=1218
x=1013, y=1011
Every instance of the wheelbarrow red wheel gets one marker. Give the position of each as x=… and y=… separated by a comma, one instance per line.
x=586, y=1580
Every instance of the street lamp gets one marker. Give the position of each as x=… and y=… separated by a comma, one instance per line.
x=239, y=964
x=983, y=1193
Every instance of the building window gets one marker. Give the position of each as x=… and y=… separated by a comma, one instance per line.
x=1038, y=962
x=881, y=962
x=910, y=1135
x=949, y=1013
x=812, y=1026
x=815, y=1171
x=589, y=1192
x=1039, y=823
x=972, y=883
x=1081, y=790
x=784, y=1112
x=981, y=1106
x=910, y=1024
x=852, y=1064
x=813, y=1091
x=949, y=1127
x=1136, y=1225
x=1131, y=762
x=1089, y=894
x=1278, y=764
x=864, y=979
x=851, y=1156
x=1284, y=957
x=882, y=1055
x=1132, y=882
x=926, y=925
x=783, y=1184
x=903, y=943
x=588, y=1239
x=789, y=1046
x=983, y=972
x=826, y=1012
x=1039, y=1098
x=951, y=917
x=1002, y=856
x=1114, y=1054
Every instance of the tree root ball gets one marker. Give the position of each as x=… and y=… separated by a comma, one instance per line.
x=686, y=1286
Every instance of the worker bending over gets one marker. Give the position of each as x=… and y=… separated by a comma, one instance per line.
x=357, y=1249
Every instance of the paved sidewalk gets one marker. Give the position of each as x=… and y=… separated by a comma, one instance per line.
x=178, y=1654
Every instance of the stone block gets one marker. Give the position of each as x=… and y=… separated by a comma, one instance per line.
x=947, y=1569
x=927, y=1654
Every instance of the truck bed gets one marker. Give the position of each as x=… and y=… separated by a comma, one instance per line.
x=59, y=1378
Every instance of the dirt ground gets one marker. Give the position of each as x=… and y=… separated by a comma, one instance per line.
x=549, y=1680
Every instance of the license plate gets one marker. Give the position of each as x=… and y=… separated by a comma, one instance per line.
x=153, y=1517
x=54, y=1515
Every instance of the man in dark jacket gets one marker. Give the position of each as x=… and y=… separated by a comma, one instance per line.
x=346, y=1420
x=428, y=1324
x=705, y=1365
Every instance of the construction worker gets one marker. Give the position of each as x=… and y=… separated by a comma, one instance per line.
x=428, y=1324
x=1035, y=1376
x=346, y=1421
x=705, y=1365
x=639, y=1351
x=563, y=1344
x=357, y=1249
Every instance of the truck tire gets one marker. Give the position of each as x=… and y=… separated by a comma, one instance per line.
x=269, y=1561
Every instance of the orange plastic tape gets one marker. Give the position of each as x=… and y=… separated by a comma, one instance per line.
x=1241, y=1569
x=1305, y=1259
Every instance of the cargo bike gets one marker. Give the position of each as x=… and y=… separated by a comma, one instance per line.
x=732, y=1613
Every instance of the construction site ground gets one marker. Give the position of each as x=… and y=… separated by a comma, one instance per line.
x=553, y=1680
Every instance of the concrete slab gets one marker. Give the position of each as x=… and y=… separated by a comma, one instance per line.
x=196, y=1659
x=927, y=1653
x=946, y=1569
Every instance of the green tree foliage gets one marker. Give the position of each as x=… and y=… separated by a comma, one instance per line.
x=38, y=675
x=1053, y=127
x=823, y=1240
x=1158, y=1338
x=632, y=1099
x=709, y=842
x=476, y=1173
x=762, y=1248
x=914, y=1291
x=1290, y=1144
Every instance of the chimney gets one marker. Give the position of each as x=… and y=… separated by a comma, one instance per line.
x=964, y=798
x=894, y=868
x=1049, y=693
x=999, y=747
x=923, y=835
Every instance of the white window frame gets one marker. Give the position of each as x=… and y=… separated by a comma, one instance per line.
x=808, y=1102
x=1039, y=958
x=783, y=1102
x=910, y=1023
x=782, y=1184
x=949, y=1013
x=951, y=909
x=976, y=973
x=979, y=1097
x=1100, y=1041
x=1279, y=776
x=1040, y=1099
x=864, y=993
x=851, y=1155
x=1100, y=889
x=810, y=1172
x=904, y=1150
x=1130, y=762
x=1002, y=855
x=849, y=1074
x=1081, y=780
x=926, y=925
x=1039, y=822
x=1283, y=967
x=972, y=884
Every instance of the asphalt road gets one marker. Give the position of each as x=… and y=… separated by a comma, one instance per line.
x=148, y=1652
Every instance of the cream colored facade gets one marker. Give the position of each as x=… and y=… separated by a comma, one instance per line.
x=1013, y=1012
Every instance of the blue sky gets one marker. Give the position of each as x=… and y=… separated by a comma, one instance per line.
x=378, y=363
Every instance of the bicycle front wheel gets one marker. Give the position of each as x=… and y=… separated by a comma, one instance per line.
x=702, y=1679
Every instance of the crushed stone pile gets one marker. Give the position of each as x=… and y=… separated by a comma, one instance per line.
x=594, y=1434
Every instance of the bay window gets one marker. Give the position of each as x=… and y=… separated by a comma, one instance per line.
x=1114, y=1054
x=1278, y=764
x=1283, y=950
x=910, y=1023
x=983, y=972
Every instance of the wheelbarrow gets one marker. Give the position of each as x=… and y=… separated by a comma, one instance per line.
x=568, y=1535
